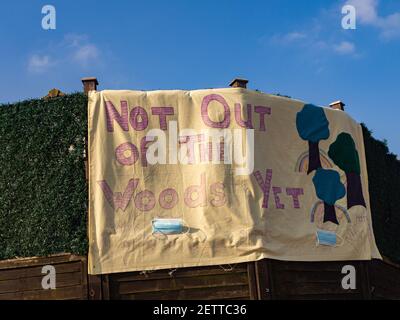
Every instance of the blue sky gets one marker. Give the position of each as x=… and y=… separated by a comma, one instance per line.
x=296, y=48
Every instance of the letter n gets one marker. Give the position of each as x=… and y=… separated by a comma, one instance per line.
x=121, y=118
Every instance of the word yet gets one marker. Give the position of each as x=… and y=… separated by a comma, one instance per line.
x=49, y=280
x=194, y=196
x=349, y=21
x=191, y=147
x=49, y=20
x=266, y=186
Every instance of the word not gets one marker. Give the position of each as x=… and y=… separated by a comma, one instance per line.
x=194, y=196
x=49, y=20
x=49, y=280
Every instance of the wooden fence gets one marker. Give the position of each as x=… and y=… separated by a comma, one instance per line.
x=384, y=279
x=263, y=280
x=312, y=280
x=205, y=283
x=21, y=279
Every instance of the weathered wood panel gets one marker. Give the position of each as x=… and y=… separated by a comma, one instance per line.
x=21, y=279
x=205, y=283
x=384, y=280
x=267, y=279
x=313, y=280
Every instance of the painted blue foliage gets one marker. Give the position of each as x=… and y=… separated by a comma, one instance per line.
x=312, y=123
x=328, y=186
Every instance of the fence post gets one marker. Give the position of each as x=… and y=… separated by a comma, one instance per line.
x=264, y=279
x=365, y=282
x=252, y=276
x=89, y=84
x=95, y=283
x=95, y=287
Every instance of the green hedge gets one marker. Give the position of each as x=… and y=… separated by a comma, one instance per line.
x=43, y=191
x=43, y=194
x=384, y=189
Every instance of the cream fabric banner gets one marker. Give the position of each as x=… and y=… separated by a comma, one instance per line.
x=240, y=176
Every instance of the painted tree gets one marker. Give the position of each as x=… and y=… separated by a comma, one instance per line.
x=329, y=189
x=312, y=126
x=344, y=154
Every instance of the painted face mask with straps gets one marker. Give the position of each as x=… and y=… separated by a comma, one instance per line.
x=329, y=238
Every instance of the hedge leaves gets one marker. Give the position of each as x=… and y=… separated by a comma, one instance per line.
x=43, y=195
x=43, y=192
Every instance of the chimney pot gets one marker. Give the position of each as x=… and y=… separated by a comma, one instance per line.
x=239, y=83
x=337, y=105
x=89, y=84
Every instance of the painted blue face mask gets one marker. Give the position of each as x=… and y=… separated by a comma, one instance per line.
x=326, y=238
x=167, y=226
